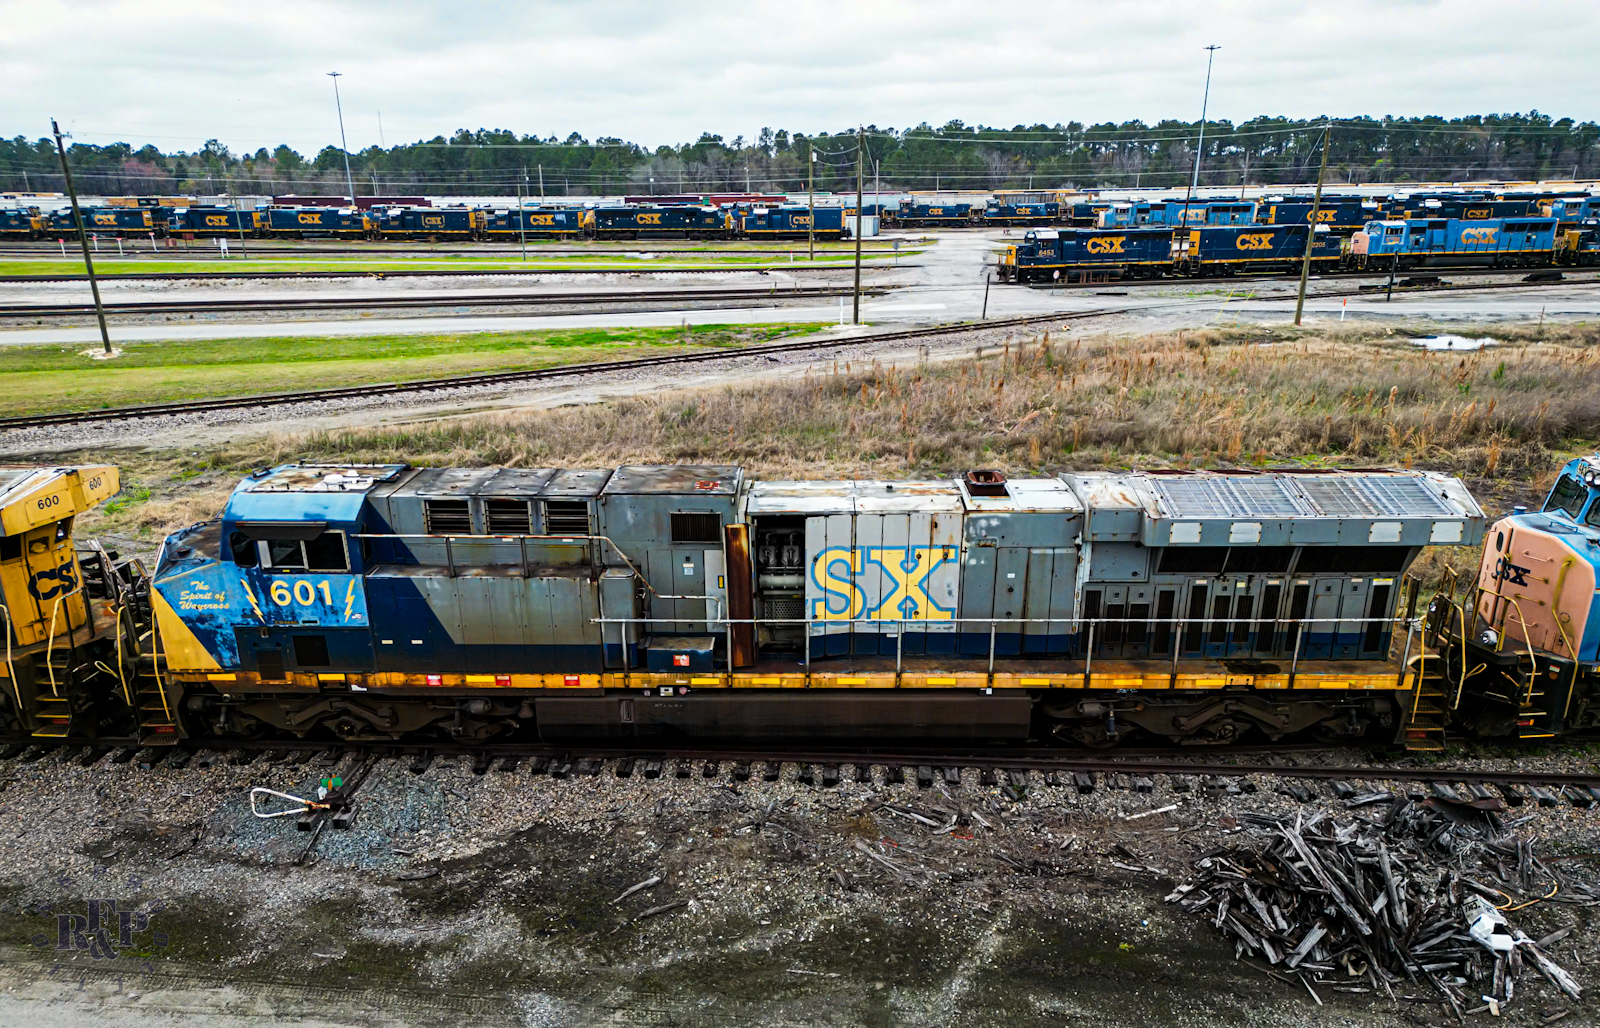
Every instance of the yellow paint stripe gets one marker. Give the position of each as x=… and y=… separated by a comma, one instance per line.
x=705, y=681
x=941, y=681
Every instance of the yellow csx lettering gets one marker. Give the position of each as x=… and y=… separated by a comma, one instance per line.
x=309, y=219
x=1475, y=236
x=433, y=221
x=105, y=219
x=802, y=219
x=217, y=220
x=649, y=219
x=542, y=219
x=1112, y=245
x=1321, y=215
x=1255, y=242
x=1475, y=214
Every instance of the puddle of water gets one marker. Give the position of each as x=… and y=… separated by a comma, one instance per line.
x=1454, y=342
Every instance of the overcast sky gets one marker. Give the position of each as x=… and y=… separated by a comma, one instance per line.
x=177, y=72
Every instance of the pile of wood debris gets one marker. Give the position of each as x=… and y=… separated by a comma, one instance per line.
x=1364, y=906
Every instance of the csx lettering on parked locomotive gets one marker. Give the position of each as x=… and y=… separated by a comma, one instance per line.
x=1255, y=241
x=1477, y=235
x=1111, y=245
x=907, y=569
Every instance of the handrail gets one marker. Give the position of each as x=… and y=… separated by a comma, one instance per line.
x=50, y=640
x=1533, y=674
x=1572, y=651
x=156, y=657
x=903, y=623
x=11, y=667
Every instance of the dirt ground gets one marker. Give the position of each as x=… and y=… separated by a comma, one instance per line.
x=501, y=897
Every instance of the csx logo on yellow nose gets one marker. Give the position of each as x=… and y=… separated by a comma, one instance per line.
x=309, y=219
x=1477, y=235
x=1112, y=245
x=1255, y=242
x=649, y=219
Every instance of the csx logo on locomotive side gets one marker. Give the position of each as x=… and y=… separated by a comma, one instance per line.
x=542, y=219
x=1321, y=215
x=1476, y=213
x=217, y=220
x=309, y=219
x=52, y=582
x=838, y=570
x=1509, y=573
x=1112, y=245
x=432, y=221
x=1255, y=241
x=1477, y=236
x=105, y=219
x=649, y=219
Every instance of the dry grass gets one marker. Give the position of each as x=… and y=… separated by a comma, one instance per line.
x=1191, y=399
x=1504, y=417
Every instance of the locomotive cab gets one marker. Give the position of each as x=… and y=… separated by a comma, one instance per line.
x=1526, y=649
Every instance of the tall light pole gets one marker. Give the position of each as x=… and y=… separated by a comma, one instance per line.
x=348, y=179
x=1211, y=52
x=861, y=153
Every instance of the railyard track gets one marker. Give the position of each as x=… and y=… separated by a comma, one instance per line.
x=319, y=303
x=823, y=766
x=620, y=269
x=532, y=374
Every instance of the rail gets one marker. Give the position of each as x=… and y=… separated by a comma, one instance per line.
x=1298, y=626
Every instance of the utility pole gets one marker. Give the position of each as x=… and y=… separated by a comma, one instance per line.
x=522, y=216
x=811, y=201
x=541, y=182
x=83, y=236
x=861, y=153
x=343, y=145
x=1311, y=228
x=1200, y=147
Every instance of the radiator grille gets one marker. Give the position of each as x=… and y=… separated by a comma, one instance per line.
x=786, y=608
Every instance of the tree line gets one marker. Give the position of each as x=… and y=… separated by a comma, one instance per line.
x=953, y=156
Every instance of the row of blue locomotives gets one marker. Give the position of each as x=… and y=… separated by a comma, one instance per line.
x=1451, y=242
x=1077, y=254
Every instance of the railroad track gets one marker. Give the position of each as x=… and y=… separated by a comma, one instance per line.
x=530, y=375
x=1446, y=280
x=318, y=303
x=1022, y=768
x=620, y=269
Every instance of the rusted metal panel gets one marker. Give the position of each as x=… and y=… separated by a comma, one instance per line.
x=740, y=605
x=712, y=479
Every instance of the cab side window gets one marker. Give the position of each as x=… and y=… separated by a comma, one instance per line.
x=1568, y=496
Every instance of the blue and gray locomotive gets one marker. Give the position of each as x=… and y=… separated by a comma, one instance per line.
x=678, y=602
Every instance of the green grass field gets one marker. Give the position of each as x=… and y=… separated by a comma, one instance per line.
x=37, y=379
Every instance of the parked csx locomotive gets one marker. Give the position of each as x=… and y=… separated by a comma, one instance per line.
x=1519, y=642
x=677, y=602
